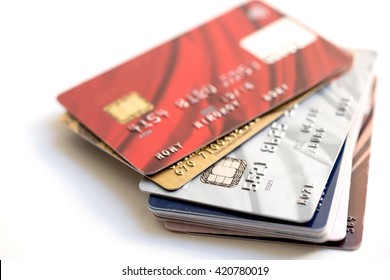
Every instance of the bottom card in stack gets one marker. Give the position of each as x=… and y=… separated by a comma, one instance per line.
x=346, y=223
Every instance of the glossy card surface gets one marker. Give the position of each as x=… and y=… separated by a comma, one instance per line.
x=353, y=225
x=328, y=223
x=167, y=207
x=180, y=96
x=282, y=171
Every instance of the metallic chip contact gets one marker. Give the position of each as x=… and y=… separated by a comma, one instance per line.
x=128, y=107
x=225, y=173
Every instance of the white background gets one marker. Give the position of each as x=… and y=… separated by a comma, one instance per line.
x=62, y=198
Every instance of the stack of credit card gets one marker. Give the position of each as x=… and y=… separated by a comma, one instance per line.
x=249, y=126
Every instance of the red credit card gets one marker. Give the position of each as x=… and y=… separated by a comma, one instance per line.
x=163, y=105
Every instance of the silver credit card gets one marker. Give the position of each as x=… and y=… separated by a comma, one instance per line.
x=281, y=172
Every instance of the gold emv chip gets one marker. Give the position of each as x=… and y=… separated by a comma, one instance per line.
x=128, y=107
